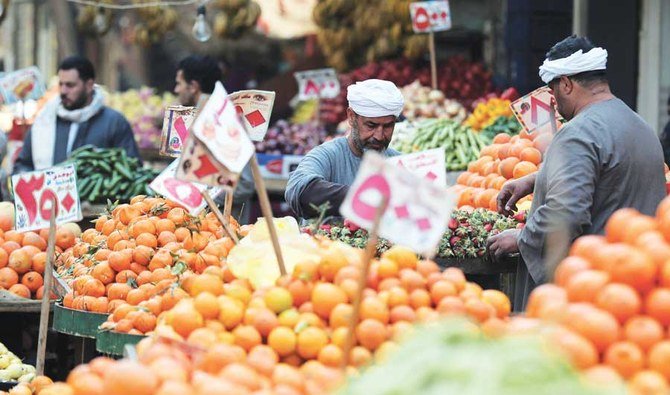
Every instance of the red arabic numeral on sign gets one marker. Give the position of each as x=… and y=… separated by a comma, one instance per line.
x=45, y=211
x=534, y=104
x=25, y=190
x=374, y=182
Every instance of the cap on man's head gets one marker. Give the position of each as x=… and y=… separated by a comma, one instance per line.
x=375, y=98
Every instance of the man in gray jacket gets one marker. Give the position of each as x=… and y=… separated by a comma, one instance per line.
x=76, y=118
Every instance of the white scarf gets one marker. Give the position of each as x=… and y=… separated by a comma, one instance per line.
x=43, y=131
x=578, y=62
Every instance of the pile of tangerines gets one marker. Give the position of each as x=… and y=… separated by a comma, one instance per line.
x=135, y=255
x=23, y=257
x=506, y=159
x=611, y=300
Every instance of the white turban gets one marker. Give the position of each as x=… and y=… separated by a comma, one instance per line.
x=578, y=62
x=375, y=98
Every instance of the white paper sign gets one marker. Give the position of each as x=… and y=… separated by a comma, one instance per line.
x=255, y=109
x=36, y=192
x=417, y=213
x=188, y=194
x=21, y=85
x=219, y=128
x=176, y=122
x=426, y=164
x=197, y=164
x=314, y=84
x=430, y=16
x=533, y=110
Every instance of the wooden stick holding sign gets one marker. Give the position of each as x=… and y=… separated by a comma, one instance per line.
x=370, y=249
x=222, y=218
x=433, y=60
x=266, y=209
x=228, y=206
x=46, y=297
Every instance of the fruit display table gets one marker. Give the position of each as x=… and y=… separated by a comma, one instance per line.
x=112, y=343
x=77, y=323
x=500, y=275
x=10, y=303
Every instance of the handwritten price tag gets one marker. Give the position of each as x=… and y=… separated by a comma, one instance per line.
x=534, y=110
x=255, y=109
x=37, y=192
x=417, y=213
x=219, y=128
x=176, y=122
x=186, y=193
x=21, y=84
x=430, y=16
x=197, y=164
x=314, y=84
x=426, y=164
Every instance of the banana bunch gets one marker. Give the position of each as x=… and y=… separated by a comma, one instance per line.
x=94, y=21
x=235, y=17
x=155, y=23
x=12, y=369
x=354, y=32
x=304, y=112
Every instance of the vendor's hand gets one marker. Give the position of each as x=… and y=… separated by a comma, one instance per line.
x=503, y=244
x=512, y=191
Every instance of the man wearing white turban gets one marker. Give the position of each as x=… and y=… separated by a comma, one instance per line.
x=325, y=174
x=605, y=158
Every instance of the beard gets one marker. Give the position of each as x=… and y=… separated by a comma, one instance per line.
x=371, y=144
x=78, y=102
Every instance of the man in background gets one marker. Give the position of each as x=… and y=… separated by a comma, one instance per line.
x=75, y=118
x=665, y=137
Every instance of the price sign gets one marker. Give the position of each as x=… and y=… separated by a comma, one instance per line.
x=428, y=164
x=35, y=193
x=176, y=122
x=219, y=128
x=417, y=213
x=186, y=193
x=21, y=85
x=534, y=111
x=254, y=108
x=430, y=16
x=314, y=84
x=197, y=164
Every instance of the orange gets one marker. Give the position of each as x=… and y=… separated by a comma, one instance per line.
x=20, y=260
x=65, y=238
x=184, y=318
x=206, y=283
x=263, y=359
x=331, y=355
x=463, y=178
x=340, y=315
x=32, y=280
x=658, y=358
x=4, y=258
x=147, y=239
x=479, y=310
x=218, y=356
x=617, y=223
x=442, y=289
x=499, y=301
x=621, y=300
x=264, y=321
x=501, y=138
x=625, y=357
x=310, y=341
x=207, y=305
x=359, y=356
x=523, y=168
x=374, y=308
x=584, y=286
x=531, y=155
x=579, y=350
x=283, y=340
x=648, y=382
x=636, y=227
x=119, y=260
x=247, y=337
x=568, y=268
x=657, y=305
x=325, y=296
x=506, y=167
x=419, y=298
x=129, y=377
x=20, y=290
x=598, y=326
x=643, y=331
x=542, y=142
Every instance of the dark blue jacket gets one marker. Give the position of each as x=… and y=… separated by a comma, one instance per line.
x=107, y=129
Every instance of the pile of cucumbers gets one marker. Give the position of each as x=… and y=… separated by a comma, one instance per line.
x=461, y=145
x=109, y=173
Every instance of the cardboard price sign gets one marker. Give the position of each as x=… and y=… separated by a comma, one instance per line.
x=37, y=192
x=430, y=16
x=21, y=85
x=534, y=110
x=255, y=109
x=428, y=164
x=197, y=164
x=186, y=193
x=219, y=128
x=417, y=213
x=176, y=122
x=314, y=84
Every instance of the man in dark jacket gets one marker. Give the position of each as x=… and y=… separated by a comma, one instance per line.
x=76, y=118
x=665, y=138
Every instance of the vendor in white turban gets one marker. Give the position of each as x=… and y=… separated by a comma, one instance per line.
x=324, y=175
x=604, y=159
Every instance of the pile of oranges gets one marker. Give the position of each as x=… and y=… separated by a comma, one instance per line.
x=612, y=297
x=305, y=315
x=136, y=253
x=23, y=258
x=506, y=159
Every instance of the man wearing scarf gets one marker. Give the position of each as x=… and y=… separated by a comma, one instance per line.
x=603, y=159
x=76, y=118
x=326, y=173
